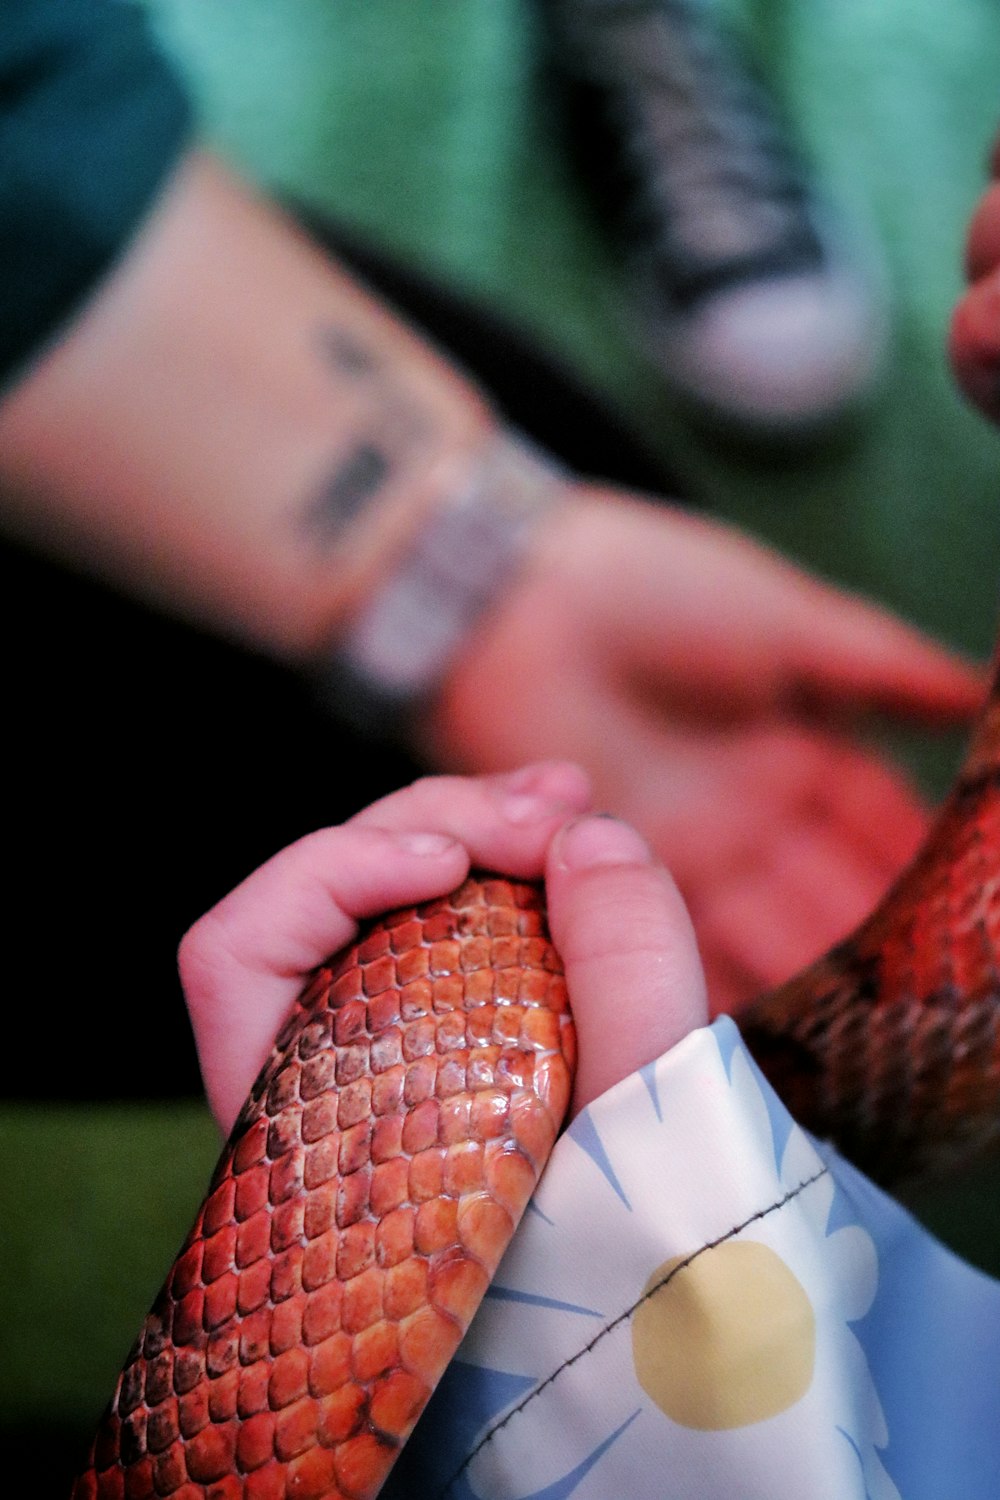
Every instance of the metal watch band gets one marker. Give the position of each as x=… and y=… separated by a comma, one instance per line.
x=398, y=647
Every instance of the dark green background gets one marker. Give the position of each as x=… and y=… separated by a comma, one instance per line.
x=427, y=124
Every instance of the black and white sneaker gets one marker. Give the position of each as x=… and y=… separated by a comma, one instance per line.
x=750, y=305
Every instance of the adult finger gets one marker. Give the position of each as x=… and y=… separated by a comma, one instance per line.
x=849, y=656
x=726, y=800
x=807, y=892
x=974, y=345
x=982, y=247
x=871, y=806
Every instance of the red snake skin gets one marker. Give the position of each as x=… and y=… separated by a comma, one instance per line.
x=391, y=1143
x=369, y=1188
x=890, y=1045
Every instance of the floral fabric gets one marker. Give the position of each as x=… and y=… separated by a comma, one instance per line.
x=704, y=1302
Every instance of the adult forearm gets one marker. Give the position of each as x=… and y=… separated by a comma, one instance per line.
x=233, y=428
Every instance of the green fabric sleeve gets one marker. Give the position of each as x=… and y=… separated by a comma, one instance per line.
x=91, y=121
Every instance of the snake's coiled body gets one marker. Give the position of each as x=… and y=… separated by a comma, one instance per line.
x=388, y=1149
x=890, y=1044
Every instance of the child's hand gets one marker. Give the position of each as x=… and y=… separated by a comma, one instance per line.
x=246, y=961
x=632, y=967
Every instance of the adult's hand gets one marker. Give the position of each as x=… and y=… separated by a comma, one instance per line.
x=711, y=690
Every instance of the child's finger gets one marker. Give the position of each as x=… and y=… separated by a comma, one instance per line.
x=244, y=963
x=635, y=979
x=504, y=821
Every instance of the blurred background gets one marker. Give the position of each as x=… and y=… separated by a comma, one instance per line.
x=431, y=130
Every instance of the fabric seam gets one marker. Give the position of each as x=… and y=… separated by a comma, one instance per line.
x=623, y=1317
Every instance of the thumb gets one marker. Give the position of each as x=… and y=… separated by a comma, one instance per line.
x=632, y=967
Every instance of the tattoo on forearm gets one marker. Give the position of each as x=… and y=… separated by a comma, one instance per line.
x=355, y=482
x=343, y=350
x=393, y=431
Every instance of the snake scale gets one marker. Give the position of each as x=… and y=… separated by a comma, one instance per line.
x=395, y=1135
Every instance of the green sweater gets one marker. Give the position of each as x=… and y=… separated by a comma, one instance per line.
x=91, y=121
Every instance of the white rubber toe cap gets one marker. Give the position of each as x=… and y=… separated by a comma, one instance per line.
x=783, y=354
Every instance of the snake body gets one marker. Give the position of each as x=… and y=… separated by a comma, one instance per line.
x=890, y=1044
x=384, y=1157
x=369, y=1188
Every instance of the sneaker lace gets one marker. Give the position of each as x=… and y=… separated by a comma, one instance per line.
x=717, y=192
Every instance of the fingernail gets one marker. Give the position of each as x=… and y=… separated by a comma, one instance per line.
x=523, y=796
x=563, y=784
x=426, y=843
x=525, y=778
x=601, y=840
x=526, y=807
